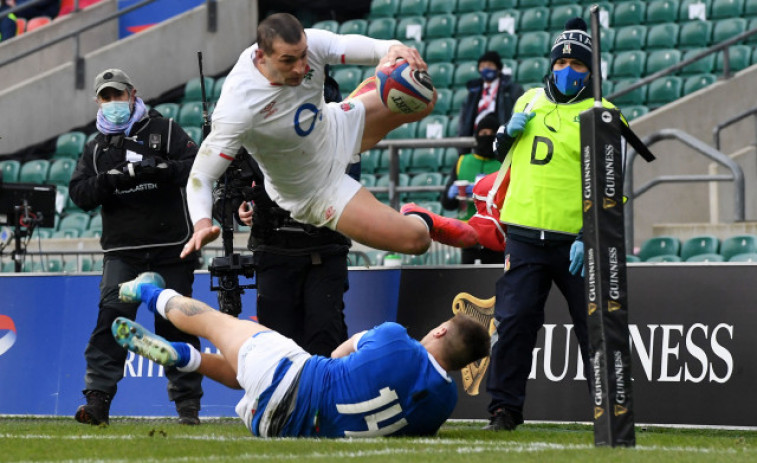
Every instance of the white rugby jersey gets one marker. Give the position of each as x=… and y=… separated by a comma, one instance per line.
x=284, y=128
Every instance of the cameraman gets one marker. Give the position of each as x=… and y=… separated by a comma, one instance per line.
x=136, y=169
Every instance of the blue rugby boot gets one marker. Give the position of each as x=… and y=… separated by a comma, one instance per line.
x=136, y=338
x=131, y=291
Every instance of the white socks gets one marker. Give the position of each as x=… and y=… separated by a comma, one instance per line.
x=163, y=298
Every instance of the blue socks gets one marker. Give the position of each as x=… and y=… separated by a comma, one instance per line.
x=183, y=349
x=149, y=295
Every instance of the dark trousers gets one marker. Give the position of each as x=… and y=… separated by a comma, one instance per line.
x=478, y=252
x=301, y=297
x=105, y=358
x=522, y=292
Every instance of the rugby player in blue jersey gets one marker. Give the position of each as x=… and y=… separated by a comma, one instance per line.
x=379, y=382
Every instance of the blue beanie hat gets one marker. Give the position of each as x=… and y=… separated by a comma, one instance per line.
x=574, y=42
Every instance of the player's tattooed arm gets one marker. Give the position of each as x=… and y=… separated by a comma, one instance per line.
x=187, y=306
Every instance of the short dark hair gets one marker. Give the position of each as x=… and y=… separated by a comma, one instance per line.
x=469, y=341
x=279, y=25
x=492, y=57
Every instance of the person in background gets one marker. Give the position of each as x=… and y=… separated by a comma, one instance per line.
x=135, y=169
x=8, y=25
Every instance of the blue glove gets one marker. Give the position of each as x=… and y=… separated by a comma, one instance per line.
x=518, y=123
x=576, y=258
x=452, y=192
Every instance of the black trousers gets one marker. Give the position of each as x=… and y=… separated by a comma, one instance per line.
x=105, y=358
x=521, y=293
x=302, y=297
x=478, y=252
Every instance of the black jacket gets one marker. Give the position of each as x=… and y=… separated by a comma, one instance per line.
x=153, y=210
x=507, y=94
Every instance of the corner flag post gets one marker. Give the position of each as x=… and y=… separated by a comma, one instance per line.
x=605, y=264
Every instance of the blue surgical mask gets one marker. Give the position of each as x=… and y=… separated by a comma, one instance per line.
x=569, y=81
x=489, y=74
x=116, y=112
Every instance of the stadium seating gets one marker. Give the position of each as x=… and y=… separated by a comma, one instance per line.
x=20, y=25
x=369, y=160
x=665, y=258
x=685, y=11
x=195, y=133
x=472, y=23
x=693, y=83
x=327, y=25
x=738, y=244
x=702, y=66
x=383, y=8
x=728, y=28
x=78, y=221
x=10, y=169
x=443, y=74
x=403, y=155
x=96, y=223
x=441, y=50
x=504, y=21
x=431, y=126
x=348, y=77
x=471, y=47
x=443, y=102
x=632, y=37
x=407, y=26
x=662, y=11
x=660, y=36
x=190, y=114
x=464, y=72
x=61, y=171
x=382, y=28
x=465, y=6
x=562, y=13
x=532, y=70
x=34, y=171
x=750, y=9
x=739, y=57
x=37, y=22
x=631, y=258
x=629, y=12
x=632, y=112
x=702, y=244
x=727, y=9
x=534, y=44
x=193, y=89
x=505, y=44
x=744, y=257
x=458, y=99
x=412, y=7
x=694, y=34
x=406, y=130
x=168, y=110
x=534, y=19
x=69, y=145
x=658, y=60
x=496, y=5
x=425, y=179
x=441, y=6
x=630, y=63
x=367, y=180
x=425, y=160
x=354, y=26
x=383, y=181
x=442, y=25
x=659, y=246
x=705, y=258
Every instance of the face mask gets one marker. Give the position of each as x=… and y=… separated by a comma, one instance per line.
x=116, y=112
x=485, y=145
x=569, y=81
x=489, y=74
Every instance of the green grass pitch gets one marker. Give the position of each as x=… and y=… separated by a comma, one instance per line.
x=220, y=440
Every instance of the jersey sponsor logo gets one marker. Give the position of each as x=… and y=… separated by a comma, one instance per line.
x=7, y=333
x=300, y=129
x=269, y=110
x=347, y=106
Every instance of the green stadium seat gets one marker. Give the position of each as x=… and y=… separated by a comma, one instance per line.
x=61, y=171
x=425, y=160
x=662, y=11
x=193, y=89
x=383, y=182
x=464, y=72
x=497, y=5
x=695, y=34
x=91, y=136
x=70, y=145
x=607, y=87
x=403, y=155
x=634, y=97
x=33, y=266
x=10, y=169
x=327, y=25
x=562, y=13
x=34, y=171
x=704, y=258
x=431, y=126
x=532, y=3
x=449, y=160
x=701, y=244
x=471, y=47
x=606, y=10
x=739, y=57
x=433, y=206
x=44, y=233
x=382, y=9
x=532, y=70
x=664, y=258
x=442, y=74
x=745, y=257
x=727, y=9
x=215, y=94
x=425, y=179
x=367, y=180
x=358, y=259
x=190, y=114
x=420, y=46
x=369, y=161
x=96, y=223
x=452, y=126
x=629, y=12
x=466, y=6
x=632, y=112
x=704, y=65
x=504, y=21
x=354, y=26
x=70, y=265
x=663, y=91
x=413, y=7
x=66, y=233
x=631, y=258
x=382, y=28
x=408, y=27
x=168, y=110
x=725, y=29
x=97, y=265
x=659, y=246
x=688, y=8
x=504, y=44
x=629, y=63
x=375, y=256
x=91, y=234
x=738, y=244
x=195, y=133
x=441, y=25
x=458, y=99
x=441, y=50
x=441, y=6
x=348, y=77
x=53, y=265
x=410, y=259
x=443, y=102
x=405, y=131
x=662, y=36
x=534, y=19
x=750, y=9
x=473, y=23
x=534, y=44
x=607, y=38
x=631, y=37
x=696, y=82
x=658, y=60
x=78, y=221
x=8, y=267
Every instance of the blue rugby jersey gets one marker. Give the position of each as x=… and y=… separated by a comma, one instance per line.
x=389, y=386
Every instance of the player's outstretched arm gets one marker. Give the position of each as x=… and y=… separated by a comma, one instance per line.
x=347, y=347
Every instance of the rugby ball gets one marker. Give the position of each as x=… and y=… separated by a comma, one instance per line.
x=404, y=90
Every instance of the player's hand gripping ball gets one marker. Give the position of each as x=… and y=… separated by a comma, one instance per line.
x=404, y=90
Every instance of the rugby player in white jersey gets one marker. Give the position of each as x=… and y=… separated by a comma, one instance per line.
x=272, y=105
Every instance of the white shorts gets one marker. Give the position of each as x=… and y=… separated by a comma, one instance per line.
x=258, y=359
x=324, y=207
